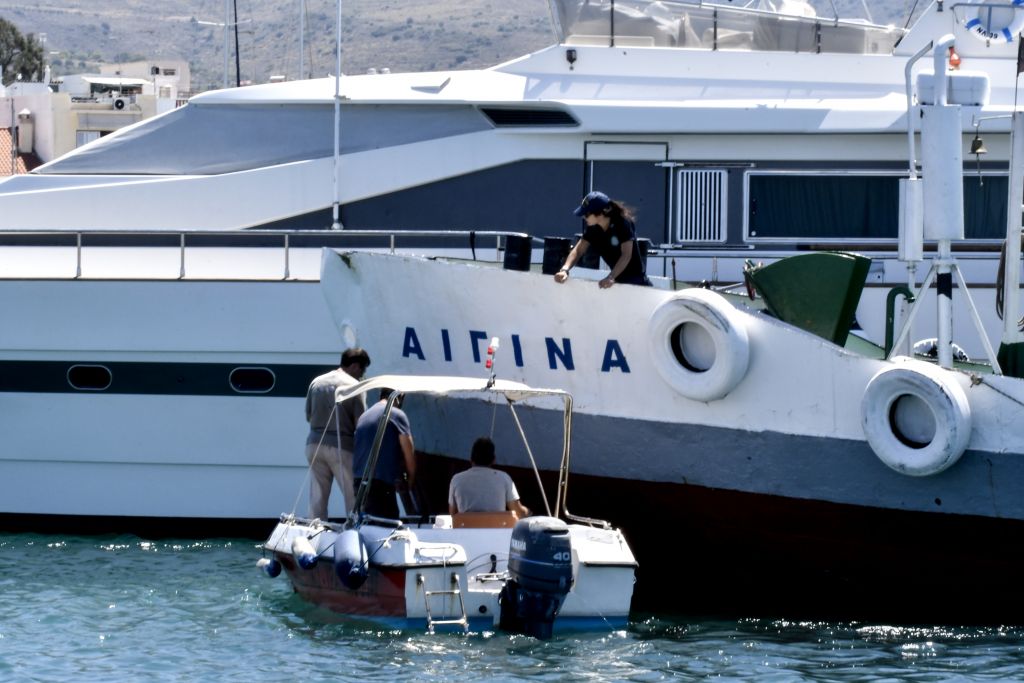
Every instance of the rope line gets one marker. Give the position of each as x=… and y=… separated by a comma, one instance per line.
x=316, y=454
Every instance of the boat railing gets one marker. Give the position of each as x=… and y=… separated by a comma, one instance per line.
x=705, y=25
x=182, y=257
x=484, y=245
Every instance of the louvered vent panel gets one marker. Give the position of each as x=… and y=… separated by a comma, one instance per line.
x=700, y=205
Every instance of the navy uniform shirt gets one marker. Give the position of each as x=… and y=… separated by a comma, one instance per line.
x=391, y=461
x=609, y=246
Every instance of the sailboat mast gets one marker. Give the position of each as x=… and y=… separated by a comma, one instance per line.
x=238, y=66
x=302, y=39
x=227, y=50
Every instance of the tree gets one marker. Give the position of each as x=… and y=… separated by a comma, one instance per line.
x=19, y=54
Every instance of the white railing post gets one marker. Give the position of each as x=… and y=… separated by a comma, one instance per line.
x=181, y=269
x=287, y=268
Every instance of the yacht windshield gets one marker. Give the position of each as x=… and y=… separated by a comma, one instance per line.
x=773, y=25
x=201, y=139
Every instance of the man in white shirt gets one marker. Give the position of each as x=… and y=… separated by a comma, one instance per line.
x=329, y=444
x=482, y=488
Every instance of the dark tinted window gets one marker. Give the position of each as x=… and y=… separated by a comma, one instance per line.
x=794, y=206
x=252, y=380
x=89, y=377
x=820, y=206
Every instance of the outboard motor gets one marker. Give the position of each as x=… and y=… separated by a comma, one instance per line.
x=540, y=570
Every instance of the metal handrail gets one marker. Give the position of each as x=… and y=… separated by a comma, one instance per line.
x=255, y=239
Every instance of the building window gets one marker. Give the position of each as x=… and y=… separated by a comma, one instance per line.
x=83, y=137
x=170, y=72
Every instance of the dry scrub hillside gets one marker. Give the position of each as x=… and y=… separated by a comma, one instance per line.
x=402, y=35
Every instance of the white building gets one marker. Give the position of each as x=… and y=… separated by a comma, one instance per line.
x=58, y=115
x=171, y=79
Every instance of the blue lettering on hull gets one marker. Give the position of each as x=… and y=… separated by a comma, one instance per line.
x=559, y=352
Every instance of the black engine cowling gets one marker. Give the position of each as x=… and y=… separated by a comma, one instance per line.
x=540, y=570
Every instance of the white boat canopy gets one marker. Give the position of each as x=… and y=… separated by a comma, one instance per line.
x=446, y=385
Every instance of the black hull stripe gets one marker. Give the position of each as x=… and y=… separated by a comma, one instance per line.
x=169, y=379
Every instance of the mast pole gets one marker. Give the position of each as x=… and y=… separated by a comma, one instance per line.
x=238, y=66
x=227, y=50
x=302, y=39
x=336, y=224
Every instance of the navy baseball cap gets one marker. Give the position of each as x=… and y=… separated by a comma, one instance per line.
x=595, y=202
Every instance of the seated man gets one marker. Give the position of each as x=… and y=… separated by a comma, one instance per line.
x=482, y=488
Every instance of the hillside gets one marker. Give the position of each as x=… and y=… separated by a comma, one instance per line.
x=402, y=35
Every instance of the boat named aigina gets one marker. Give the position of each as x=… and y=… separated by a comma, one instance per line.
x=804, y=469
x=473, y=570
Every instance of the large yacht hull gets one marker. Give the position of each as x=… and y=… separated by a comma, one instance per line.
x=134, y=399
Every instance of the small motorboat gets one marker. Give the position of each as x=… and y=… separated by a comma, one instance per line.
x=480, y=571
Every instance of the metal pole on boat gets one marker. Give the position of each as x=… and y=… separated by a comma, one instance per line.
x=335, y=210
x=1015, y=202
x=911, y=244
x=238, y=64
x=227, y=51
x=302, y=39
x=943, y=230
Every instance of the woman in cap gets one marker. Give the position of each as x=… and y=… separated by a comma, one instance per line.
x=611, y=231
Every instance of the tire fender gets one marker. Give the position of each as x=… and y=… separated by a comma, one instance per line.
x=916, y=418
x=699, y=344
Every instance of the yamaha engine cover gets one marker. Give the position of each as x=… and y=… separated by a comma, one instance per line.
x=540, y=570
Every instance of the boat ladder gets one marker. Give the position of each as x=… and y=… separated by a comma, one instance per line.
x=455, y=591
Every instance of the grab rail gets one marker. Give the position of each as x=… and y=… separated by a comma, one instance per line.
x=286, y=240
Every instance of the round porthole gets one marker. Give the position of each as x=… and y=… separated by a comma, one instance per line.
x=252, y=380
x=89, y=377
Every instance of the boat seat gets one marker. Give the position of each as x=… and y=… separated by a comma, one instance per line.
x=484, y=520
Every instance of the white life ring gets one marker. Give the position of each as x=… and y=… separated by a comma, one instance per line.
x=996, y=24
x=916, y=418
x=699, y=344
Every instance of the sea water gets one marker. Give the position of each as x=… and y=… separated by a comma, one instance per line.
x=82, y=608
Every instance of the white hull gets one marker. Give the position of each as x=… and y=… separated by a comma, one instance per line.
x=600, y=346
x=170, y=437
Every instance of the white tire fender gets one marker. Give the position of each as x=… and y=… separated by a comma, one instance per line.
x=916, y=417
x=699, y=344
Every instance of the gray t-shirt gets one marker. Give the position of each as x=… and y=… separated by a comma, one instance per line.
x=320, y=404
x=482, y=489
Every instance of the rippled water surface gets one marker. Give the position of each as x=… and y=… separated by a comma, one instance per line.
x=126, y=609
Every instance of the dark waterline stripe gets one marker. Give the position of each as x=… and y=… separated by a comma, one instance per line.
x=169, y=379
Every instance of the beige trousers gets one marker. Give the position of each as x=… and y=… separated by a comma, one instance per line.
x=326, y=465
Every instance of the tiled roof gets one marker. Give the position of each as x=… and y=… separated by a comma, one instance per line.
x=23, y=163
